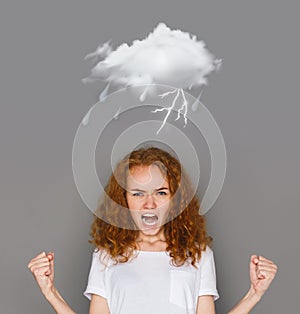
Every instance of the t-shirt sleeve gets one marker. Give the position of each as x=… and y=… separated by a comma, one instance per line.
x=208, y=281
x=96, y=283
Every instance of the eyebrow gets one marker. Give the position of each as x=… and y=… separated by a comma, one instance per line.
x=160, y=189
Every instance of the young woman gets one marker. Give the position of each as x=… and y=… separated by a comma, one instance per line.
x=160, y=261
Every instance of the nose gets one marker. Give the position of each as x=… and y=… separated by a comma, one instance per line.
x=149, y=202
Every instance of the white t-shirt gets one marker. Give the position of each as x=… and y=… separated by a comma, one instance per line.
x=150, y=284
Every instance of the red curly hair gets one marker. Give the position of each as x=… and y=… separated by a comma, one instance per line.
x=185, y=232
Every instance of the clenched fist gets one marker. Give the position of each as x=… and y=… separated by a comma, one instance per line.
x=42, y=268
x=262, y=273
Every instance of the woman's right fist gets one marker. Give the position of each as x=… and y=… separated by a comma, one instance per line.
x=42, y=268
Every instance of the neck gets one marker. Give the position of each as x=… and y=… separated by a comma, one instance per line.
x=151, y=239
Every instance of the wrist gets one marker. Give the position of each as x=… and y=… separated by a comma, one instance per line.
x=51, y=293
x=247, y=302
x=252, y=295
x=58, y=303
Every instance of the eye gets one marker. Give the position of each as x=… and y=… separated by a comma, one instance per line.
x=137, y=194
x=161, y=193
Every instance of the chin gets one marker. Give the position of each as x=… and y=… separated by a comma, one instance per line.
x=150, y=231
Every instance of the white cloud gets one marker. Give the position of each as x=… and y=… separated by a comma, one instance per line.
x=168, y=57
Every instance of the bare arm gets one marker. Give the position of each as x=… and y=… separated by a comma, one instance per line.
x=98, y=305
x=58, y=303
x=42, y=268
x=262, y=273
x=205, y=305
x=247, y=303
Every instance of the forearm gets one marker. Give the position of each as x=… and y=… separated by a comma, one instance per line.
x=246, y=304
x=58, y=303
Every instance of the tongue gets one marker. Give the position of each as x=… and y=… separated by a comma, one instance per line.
x=150, y=219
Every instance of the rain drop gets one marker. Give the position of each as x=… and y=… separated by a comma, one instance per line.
x=144, y=94
x=86, y=118
x=116, y=116
x=195, y=105
x=104, y=93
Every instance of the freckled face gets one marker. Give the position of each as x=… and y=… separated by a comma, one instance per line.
x=148, y=198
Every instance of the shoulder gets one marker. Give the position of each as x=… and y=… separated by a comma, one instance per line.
x=97, y=253
x=208, y=250
x=101, y=258
x=207, y=254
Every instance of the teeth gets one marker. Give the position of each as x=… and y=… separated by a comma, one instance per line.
x=149, y=215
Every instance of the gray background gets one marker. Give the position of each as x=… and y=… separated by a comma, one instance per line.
x=254, y=99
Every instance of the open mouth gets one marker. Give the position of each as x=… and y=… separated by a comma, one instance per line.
x=149, y=219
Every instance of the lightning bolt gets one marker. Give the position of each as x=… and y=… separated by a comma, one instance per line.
x=183, y=108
